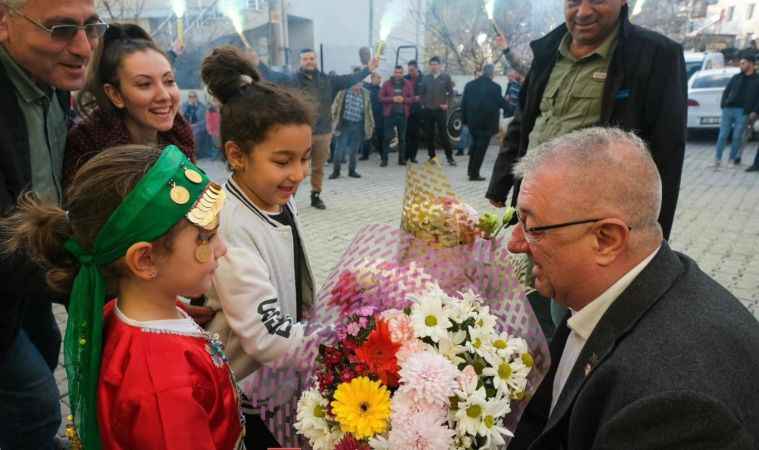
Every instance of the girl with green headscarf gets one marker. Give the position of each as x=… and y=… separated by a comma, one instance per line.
x=138, y=224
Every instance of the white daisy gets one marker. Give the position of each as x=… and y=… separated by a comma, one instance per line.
x=311, y=421
x=428, y=317
x=495, y=410
x=459, y=310
x=450, y=347
x=480, y=341
x=509, y=376
x=471, y=414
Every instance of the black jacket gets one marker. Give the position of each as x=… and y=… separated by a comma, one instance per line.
x=672, y=364
x=23, y=282
x=322, y=89
x=481, y=105
x=416, y=107
x=645, y=92
x=750, y=93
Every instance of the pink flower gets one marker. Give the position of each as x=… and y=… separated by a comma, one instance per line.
x=421, y=432
x=353, y=329
x=401, y=329
x=468, y=379
x=409, y=349
x=429, y=376
x=405, y=406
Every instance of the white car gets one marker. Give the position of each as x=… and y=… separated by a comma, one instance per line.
x=696, y=61
x=704, y=96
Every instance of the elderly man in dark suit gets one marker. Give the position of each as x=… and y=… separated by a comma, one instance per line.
x=654, y=354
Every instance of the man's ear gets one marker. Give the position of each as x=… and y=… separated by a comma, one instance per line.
x=141, y=262
x=114, y=95
x=611, y=238
x=5, y=17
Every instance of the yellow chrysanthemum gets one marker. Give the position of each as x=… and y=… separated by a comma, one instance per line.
x=362, y=407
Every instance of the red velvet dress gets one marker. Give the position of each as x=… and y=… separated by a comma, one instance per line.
x=165, y=385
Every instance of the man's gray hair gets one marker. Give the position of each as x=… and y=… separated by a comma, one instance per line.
x=603, y=169
x=488, y=70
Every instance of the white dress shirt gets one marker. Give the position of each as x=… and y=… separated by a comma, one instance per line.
x=583, y=322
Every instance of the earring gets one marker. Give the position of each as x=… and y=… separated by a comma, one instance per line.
x=153, y=275
x=203, y=252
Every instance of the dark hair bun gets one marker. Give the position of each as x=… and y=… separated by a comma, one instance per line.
x=124, y=32
x=223, y=71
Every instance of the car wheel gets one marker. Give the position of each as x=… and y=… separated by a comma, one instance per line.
x=454, y=126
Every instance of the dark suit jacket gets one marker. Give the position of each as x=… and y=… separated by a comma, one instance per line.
x=673, y=364
x=645, y=92
x=481, y=105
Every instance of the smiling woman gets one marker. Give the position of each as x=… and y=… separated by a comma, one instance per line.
x=131, y=97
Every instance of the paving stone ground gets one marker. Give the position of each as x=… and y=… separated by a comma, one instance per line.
x=717, y=221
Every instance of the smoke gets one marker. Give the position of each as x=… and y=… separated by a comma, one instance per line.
x=179, y=7
x=231, y=9
x=490, y=8
x=393, y=15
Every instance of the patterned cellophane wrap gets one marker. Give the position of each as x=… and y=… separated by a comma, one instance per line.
x=388, y=264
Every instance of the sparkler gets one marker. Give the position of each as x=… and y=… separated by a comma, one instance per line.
x=179, y=7
x=490, y=11
x=231, y=9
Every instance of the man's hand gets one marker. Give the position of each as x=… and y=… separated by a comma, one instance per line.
x=373, y=64
x=501, y=42
x=444, y=106
x=752, y=117
x=398, y=99
x=497, y=204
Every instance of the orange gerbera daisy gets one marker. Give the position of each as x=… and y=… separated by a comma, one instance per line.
x=378, y=353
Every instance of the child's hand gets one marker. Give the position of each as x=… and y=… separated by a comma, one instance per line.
x=201, y=314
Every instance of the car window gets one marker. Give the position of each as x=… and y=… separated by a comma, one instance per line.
x=712, y=81
x=693, y=67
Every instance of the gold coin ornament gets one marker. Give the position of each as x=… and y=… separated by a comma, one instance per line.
x=179, y=195
x=193, y=176
x=203, y=252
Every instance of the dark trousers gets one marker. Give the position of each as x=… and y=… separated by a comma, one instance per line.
x=756, y=158
x=412, y=134
x=480, y=142
x=375, y=143
x=29, y=398
x=392, y=123
x=257, y=435
x=435, y=124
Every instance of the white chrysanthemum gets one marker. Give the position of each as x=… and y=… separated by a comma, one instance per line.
x=312, y=424
x=459, y=310
x=451, y=348
x=495, y=410
x=509, y=374
x=519, y=345
x=428, y=317
x=485, y=320
x=480, y=341
x=470, y=417
x=502, y=344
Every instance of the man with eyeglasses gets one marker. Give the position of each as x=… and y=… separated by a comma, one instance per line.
x=45, y=46
x=599, y=69
x=655, y=354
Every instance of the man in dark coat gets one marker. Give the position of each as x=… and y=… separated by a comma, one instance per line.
x=481, y=106
x=655, y=354
x=38, y=69
x=322, y=89
x=414, y=123
x=638, y=84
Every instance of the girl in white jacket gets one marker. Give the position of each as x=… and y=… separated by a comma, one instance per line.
x=264, y=283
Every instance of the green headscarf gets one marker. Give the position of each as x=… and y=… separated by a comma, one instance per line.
x=171, y=190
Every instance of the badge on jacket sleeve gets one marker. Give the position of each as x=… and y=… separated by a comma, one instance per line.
x=601, y=76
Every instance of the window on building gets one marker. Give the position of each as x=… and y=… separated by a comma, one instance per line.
x=750, y=11
x=730, y=13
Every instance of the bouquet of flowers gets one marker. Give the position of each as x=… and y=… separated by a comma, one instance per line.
x=437, y=374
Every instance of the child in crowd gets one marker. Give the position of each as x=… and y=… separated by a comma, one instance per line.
x=264, y=284
x=140, y=224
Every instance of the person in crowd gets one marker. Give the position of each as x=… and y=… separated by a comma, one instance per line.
x=515, y=63
x=397, y=97
x=353, y=122
x=598, y=68
x=740, y=105
x=512, y=93
x=436, y=94
x=45, y=47
x=139, y=223
x=194, y=112
x=322, y=89
x=264, y=284
x=131, y=97
x=481, y=105
x=629, y=365
x=264, y=70
x=213, y=127
x=375, y=143
x=414, y=122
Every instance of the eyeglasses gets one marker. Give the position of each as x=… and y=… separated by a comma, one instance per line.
x=67, y=32
x=535, y=234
